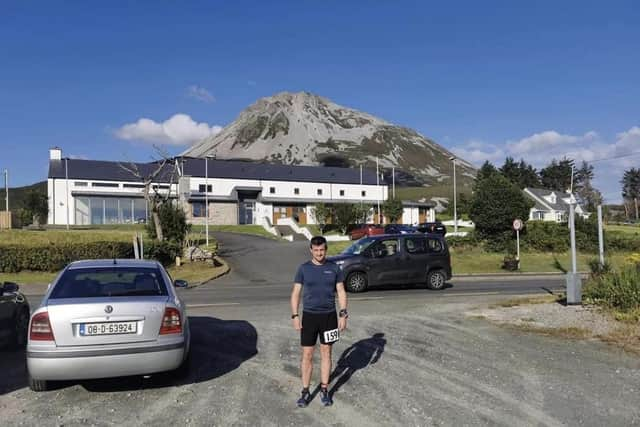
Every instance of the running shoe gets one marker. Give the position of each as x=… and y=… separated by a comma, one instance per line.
x=325, y=397
x=304, y=398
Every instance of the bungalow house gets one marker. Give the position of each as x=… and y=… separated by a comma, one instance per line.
x=83, y=192
x=552, y=205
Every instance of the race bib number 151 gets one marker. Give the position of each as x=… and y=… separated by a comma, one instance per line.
x=331, y=336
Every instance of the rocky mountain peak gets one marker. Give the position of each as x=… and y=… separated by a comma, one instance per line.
x=306, y=129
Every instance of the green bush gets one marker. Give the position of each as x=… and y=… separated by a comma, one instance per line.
x=14, y=258
x=467, y=242
x=173, y=222
x=618, y=290
x=54, y=257
x=546, y=236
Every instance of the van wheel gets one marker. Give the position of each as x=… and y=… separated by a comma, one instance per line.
x=357, y=282
x=37, y=385
x=436, y=280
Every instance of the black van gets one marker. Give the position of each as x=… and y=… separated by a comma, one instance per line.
x=395, y=259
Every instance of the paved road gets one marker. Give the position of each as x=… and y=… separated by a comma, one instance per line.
x=262, y=272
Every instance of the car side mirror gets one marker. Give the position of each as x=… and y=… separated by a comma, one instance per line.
x=9, y=288
x=180, y=283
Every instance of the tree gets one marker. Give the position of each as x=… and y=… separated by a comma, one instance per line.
x=361, y=212
x=520, y=173
x=486, y=170
x=631, y=187
x=344, y=214
x=36, y=207
x=392, y=209
x=495, y=204
x=322, y=214
x=173, y=223
x=557, y=175
x=152, y=196
x=586, y=194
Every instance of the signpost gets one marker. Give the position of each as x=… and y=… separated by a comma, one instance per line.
x=517, y=225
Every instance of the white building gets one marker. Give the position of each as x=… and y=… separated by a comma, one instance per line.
x=85, y=192
x=552, y=205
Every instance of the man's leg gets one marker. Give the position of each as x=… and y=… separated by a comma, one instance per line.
x=306, y=365
x=325, y=363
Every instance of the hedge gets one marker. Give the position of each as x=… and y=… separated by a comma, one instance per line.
x=54, y=257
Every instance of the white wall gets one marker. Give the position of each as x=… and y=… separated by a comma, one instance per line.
x=263, y=210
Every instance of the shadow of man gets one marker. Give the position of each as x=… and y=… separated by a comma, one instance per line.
x=360, y=355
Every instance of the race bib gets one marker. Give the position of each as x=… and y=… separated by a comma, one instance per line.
x=331, y=336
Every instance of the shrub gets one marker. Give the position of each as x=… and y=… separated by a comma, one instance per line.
x=50, y=257
x=173, y=222
x=546, y=236
x=165, y=252
x=618, y=290
x=598, y=269
x=467, y=242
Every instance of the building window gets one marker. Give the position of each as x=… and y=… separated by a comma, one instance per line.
x=272, y=190
x=201, y=188
x=364, y=193
x=133, y=185
x=296, y=191
x=105, y=184
x=198, y=209
x=319, y=191
x=80, y=184
x=162, y=187
x=342, y=192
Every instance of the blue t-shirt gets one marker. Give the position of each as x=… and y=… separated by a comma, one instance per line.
x=319, y=286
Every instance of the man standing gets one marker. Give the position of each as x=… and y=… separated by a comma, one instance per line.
x=318, y=280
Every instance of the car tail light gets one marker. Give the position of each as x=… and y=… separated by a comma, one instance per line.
x=41, y=328
x=171, y=323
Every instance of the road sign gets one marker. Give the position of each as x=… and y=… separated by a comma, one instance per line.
x=517, y=224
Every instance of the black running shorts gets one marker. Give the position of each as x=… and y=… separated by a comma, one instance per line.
x=314, y=325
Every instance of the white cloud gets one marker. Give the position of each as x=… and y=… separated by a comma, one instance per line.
x=180, y=129
x=200, y=93
x=540, y=148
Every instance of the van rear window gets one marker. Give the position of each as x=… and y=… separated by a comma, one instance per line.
x=109, y=282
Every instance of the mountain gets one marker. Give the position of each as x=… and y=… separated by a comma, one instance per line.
x=306, y=129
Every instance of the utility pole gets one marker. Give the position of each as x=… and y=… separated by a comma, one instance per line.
x=206, y=198
x=66, y=177
x=455, y=197
x=600, y=237
x=6, y=190
x=378, y=186
x=574, y=283
x=393, y=180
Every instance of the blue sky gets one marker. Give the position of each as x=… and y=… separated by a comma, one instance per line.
x=485, y=79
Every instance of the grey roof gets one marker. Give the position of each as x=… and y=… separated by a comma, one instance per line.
x=231, y=169
x=411, y=203
x=560, y=204
x=100, y=170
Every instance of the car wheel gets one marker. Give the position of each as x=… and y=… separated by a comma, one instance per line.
x=37, y=385
x=436, y=280
x=357, y=282
x=21, y=331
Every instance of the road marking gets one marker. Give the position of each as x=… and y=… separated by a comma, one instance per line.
x=212, y=305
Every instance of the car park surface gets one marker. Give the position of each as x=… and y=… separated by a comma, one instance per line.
x=107, y=318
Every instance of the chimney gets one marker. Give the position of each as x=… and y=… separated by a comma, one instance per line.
x=55, y=153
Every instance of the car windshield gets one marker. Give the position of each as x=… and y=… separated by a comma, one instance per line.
x=358, y=247
x=109, y=282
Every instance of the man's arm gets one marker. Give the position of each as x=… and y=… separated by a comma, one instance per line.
x=342, y=303
x=295, y=303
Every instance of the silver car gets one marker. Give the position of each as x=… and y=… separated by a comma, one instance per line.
x=107, y=318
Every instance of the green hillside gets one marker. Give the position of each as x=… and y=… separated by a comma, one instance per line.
x=18, y=194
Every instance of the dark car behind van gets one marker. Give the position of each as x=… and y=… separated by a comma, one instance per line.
x=395, y=259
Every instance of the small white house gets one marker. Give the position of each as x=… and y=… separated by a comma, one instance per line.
x=552, y=205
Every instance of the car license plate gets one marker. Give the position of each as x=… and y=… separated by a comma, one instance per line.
x=108, y=328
